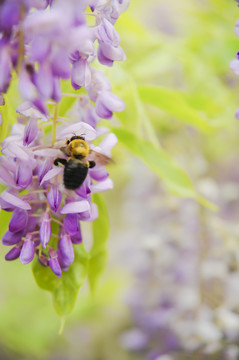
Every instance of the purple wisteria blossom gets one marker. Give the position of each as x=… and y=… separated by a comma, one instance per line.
x=45, y=42
x=43, y=53
x=28, y=165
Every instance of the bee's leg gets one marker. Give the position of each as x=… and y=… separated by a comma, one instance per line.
x=91, y=164
x=61, y=161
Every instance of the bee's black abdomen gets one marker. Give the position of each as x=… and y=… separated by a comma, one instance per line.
x=75, y=173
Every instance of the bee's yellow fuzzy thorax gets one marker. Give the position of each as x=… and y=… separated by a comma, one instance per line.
x=79, y=147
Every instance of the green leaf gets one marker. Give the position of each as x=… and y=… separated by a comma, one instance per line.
x=100, y=226
x=174, y=103
x=97, y=265
x=174, y=177
x=134, y=117
x=65, y=104
x=65, y=289
x=4, y=219
x=4, y=125
x=98, y=253
x=69, y=97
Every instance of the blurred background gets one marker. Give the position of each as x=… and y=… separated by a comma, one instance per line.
x=171, y=287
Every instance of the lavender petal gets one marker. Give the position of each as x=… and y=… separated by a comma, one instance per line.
x=45, y=229
x=81, y=74
x=12, y=238
x=27, y=252
x=30, y=132
x=54, y=198
x=66, y=249
x=18, y=220
x=75, y=207
x=24, y=175
x=14, y=201
x=13, y=254
x=71, y=224
x=54, y=264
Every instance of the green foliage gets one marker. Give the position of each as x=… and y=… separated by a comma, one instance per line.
x=4, y=219
x=174, y=103
x=157, y=159
x=65, y=289
x=4, y=125
x=98, y=252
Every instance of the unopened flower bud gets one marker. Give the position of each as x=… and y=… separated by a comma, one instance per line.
x=45, y=229
x=66, y=249
x=27, y=251
x=13, y=254
x=54, y=263
x=54, y=198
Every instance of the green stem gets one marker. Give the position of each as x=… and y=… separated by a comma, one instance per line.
x=54, y=119
x=21, y=39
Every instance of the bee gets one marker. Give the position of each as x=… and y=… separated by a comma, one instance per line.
x=76, y=166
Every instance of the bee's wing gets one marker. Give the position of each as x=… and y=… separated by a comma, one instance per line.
x=99, y=158
x=65, y=150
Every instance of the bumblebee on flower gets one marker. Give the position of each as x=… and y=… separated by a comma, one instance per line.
x=29, y=165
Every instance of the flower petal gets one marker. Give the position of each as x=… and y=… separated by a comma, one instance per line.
x=90, y=215
x=27, y=252
x=81, y=74
x=77, y=239
x=71, y=224
x=15, y=201
x=5, y=177
x=26, y=87
x=75, y=207
x=24, y=175
x=79, y=128
x=51, y=174
x=30, y=132
x=54, y=263
x=27, y=109
x=66, y=249
x=234, y=65
x=12, y=238
x=98, y=173
x=17, y=151
x=102, y=186
x=107, y=144
x=54, y=197
x=18, y=220
x=48, y=152
x=112, y=53
x=45, y=229
x=44, y=80
x=13, y=254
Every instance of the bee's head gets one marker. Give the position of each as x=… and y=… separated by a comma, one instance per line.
x=75, y=137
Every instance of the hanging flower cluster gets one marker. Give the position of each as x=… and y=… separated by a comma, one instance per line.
x=44, y=42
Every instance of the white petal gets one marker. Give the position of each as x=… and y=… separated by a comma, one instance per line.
x=28, y=110
x=15, y=201
x=51, y=174
x=48, y=152
x=102, y=186
x=79, y=128
x=75, y=207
